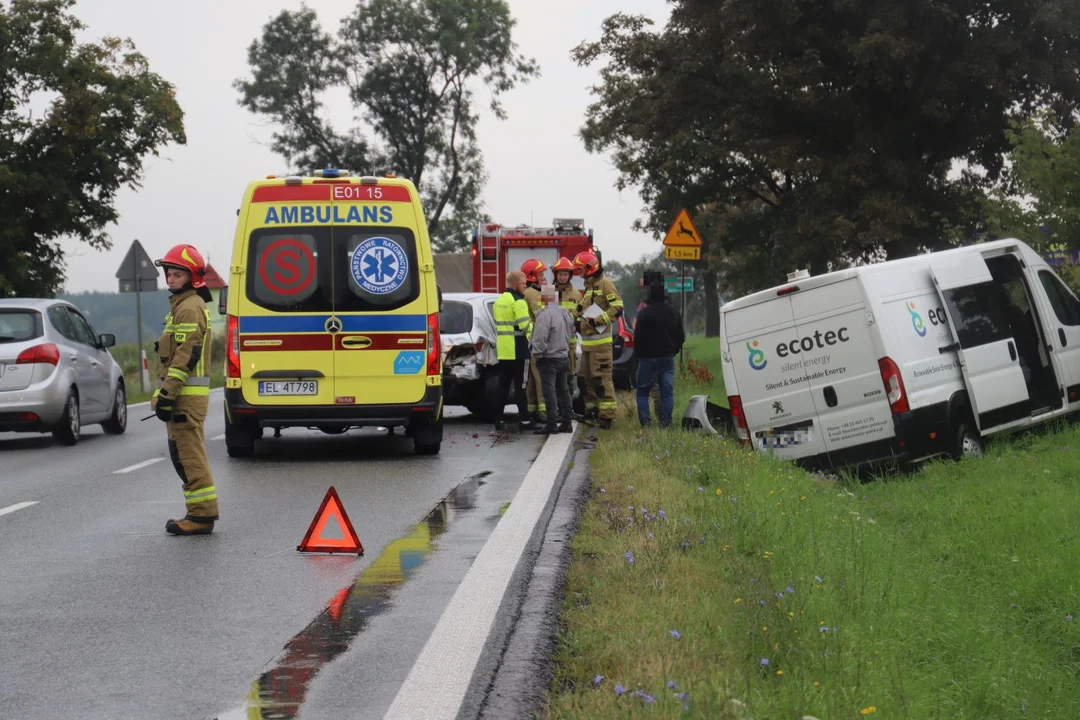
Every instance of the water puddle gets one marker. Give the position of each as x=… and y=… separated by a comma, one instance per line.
x=279, y=693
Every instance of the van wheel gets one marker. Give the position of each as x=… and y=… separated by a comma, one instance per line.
x=239, y=441
x=427, y=438
x=117, y=422
x=69, y=428
x=967, y=441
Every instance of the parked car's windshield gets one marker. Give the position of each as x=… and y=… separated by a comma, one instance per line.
x=456, y=317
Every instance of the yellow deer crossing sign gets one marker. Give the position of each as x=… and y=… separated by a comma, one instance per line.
x=683, y=241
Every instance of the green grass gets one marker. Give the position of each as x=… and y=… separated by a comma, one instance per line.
x=127, y=357
x=946, y=593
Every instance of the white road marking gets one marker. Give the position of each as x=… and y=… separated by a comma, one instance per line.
x=218, y=437
x=137, y=466
x=436, y=685
x=17, y=506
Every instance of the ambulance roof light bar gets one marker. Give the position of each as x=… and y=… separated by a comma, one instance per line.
x=331, y=173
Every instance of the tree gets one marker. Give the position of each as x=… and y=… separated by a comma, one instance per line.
x=410, y=67
x=1040, y=198
x=76, y=122
x=828, y=131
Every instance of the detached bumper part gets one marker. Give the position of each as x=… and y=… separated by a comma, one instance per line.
x=707, y=418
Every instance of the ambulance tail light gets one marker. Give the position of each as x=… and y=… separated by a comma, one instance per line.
x=45, y=353
x=434, y=356
x=232, y=347
x=894, y=385
x=738, y=417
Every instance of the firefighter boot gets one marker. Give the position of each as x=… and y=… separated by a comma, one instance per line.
x=189, y=526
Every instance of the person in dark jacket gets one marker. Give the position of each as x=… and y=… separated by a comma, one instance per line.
x=658, y=337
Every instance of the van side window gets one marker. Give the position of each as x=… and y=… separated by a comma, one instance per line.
x=977, y=311
x=1064, y=304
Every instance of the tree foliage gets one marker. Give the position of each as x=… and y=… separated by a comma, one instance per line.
x=818, y=131
x=1040, y=197
x=410, y=68
x=76, y=122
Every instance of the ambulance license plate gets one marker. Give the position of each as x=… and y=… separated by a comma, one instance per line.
x=289, y=387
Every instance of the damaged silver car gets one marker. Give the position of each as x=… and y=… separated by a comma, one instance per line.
x=470, y=354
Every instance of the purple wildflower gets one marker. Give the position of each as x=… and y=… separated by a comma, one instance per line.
x=644, y=511
x=598, y=679
x=682, y=696
x=761, y=601
x=662, y=514
x=671, y=685
x=685, y=544
x=701, y=539
x=619, y=689
x=780, y=595
x=764, y=661
x=699, y=488
x=734, y=499
x=630, y=488
x=754, y=580
x=650, y=536
x=630, y=556
x=685, y=707
x=675, y=634
x=649, y=699
x=790, y=590
x=823, y=629
x=1068, y=617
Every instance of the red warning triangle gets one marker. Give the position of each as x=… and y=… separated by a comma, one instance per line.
x=317, y=541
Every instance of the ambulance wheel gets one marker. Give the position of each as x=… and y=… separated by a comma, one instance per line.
x=427, y=438
x=967, y=442
x=239, y=441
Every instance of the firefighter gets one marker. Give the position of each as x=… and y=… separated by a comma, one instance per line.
x=534, y=278
x=569, y=298
x=596, y=332
x=513, y=329
x=183, y=393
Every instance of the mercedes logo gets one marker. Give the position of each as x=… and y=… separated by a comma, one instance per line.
x=333, y=326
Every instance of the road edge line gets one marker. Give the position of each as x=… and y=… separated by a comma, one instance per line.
x=440, y=679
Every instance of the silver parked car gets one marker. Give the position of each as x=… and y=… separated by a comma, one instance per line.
x=56, y=373
x=470, y=354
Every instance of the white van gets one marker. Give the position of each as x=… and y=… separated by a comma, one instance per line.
x=902, y=360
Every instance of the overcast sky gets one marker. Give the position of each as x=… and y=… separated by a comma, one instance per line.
x=538, y=168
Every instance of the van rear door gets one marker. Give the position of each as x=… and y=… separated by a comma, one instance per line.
x=987, y=351
x=286, y=302
x=776, y=398
x=381, y=294
x=838, y=355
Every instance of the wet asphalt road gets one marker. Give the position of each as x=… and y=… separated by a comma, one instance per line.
x=103, y=615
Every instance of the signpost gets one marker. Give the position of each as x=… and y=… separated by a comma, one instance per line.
x=682, y=243
x=137, y=274
x=678, y=285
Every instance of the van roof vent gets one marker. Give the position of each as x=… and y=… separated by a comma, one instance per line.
x=798, y=275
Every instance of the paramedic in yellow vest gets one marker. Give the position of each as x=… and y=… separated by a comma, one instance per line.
x=513, y=328
x=600, y=307
x=183, y=395
x=569, y=299
x=534, y=278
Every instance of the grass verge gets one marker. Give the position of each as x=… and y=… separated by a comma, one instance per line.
x=713, y=582
x=127, y=357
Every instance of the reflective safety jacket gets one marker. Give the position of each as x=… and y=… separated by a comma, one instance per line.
x=184, y=348
x=601, y=292
x=512, y=324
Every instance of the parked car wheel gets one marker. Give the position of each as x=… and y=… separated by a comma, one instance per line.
x=117, y=422
x=483, y=402
x=69, y=428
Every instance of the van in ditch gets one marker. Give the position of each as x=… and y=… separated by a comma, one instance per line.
x=903, y=360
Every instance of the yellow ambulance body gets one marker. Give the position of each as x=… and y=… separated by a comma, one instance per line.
x=332, y=311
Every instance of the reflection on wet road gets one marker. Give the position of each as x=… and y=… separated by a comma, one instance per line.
x=279, y=693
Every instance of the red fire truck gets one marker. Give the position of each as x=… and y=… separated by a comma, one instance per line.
x=497, y=249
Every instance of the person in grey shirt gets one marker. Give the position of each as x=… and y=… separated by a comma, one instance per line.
x=550, y=348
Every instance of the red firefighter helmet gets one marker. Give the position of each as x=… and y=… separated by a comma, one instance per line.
x=533, y=269
x=186, y=257
x=587, y=263
x=563, y=264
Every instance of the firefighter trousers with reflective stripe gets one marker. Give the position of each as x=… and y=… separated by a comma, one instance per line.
x=187, y=449
x=596, y=365
x=534, y=396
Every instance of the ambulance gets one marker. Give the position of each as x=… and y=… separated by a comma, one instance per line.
x=332, y=311
x=903, y=360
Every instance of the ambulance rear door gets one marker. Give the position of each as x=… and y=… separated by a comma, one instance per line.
x=383, y=295
x=285, y=306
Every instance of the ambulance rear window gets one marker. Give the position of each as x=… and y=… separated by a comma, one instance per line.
x=288, y=271
x=380, y=268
